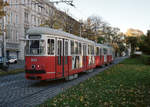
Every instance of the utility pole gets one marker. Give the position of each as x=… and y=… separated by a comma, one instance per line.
x=4, y=42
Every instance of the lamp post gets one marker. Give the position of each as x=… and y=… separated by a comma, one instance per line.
x=4, y=42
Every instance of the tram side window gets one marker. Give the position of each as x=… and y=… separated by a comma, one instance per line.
x=92, y=50
x=50, y=46
x=76, y=47
x=80, y=51
x=72, y=47
x=100, y=51
x=97, y=51
x=84, y=50
x=105, y=51
x=89, y=50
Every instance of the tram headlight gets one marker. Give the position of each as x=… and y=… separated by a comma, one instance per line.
x=33, y=66
x=38, y=66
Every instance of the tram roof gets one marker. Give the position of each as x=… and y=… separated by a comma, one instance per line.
x=103, y=45
x=97, y=44
x=50, y=31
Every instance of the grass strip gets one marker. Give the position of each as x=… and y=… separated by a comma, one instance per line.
x=125, y=84
x=11, y=72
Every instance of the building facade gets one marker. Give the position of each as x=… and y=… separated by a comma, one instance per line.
x=22, y=15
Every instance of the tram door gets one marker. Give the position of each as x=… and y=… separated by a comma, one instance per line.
x=84, y=56
x=65, y=58
x=62, y=58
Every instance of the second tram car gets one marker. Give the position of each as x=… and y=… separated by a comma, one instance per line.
x=54, y=54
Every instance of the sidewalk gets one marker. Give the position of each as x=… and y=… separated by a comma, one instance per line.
x=19, y=65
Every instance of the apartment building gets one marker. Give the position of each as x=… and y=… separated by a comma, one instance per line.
x=25, y=14
x=22, y=15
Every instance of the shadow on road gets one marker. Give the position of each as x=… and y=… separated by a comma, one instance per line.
x=48, y=83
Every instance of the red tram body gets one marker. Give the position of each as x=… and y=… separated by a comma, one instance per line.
x=54, y=54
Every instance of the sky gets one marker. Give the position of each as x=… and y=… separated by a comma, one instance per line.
x=123, y=14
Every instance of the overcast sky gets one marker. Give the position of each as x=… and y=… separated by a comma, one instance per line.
x=119, y=13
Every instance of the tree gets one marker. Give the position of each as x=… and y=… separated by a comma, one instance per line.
x=133, y=41
x=134, y=37
x=144, y=43
x=54, y=20
x=2, y=5
x=101, y=40
x=134, y=32
x=2, y=12
x=62, y=20
x=92, y=28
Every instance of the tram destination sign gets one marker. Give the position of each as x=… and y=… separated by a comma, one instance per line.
x=34, y=36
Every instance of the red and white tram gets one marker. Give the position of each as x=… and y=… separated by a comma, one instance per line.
x=104, y=55
x=54, y=54
x=99, y=55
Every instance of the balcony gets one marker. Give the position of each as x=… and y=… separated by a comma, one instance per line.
x=12, y=46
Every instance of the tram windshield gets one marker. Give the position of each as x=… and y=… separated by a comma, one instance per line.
x=35, y=47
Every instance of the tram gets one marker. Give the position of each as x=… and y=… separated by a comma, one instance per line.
x=54, y=54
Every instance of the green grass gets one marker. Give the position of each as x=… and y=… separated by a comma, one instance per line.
x=10, y=72
x=125, y=84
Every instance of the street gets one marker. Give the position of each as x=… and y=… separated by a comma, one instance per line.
x=16, y=91
x=18, y=65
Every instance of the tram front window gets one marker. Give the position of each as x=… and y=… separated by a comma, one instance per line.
x=35, y=47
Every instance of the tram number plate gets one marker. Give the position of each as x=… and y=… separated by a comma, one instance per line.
x=33, y=60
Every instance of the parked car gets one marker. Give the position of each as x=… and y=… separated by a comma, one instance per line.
x=12, y=59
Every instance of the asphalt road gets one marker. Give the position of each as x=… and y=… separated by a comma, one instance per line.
x=16, y=91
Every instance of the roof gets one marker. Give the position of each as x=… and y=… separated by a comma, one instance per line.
x=50, y=31
x=97, y=44
x=103, y=45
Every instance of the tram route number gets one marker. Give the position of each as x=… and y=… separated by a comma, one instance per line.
x=33, y=60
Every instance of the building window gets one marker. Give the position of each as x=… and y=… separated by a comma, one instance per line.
x=22, y=1
x=17, y=36
x=25, y=30
x=10, y=3
x=11, y=35
x=11, y=15
x=26, y=17
x=34, y=20
x=17, y=19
